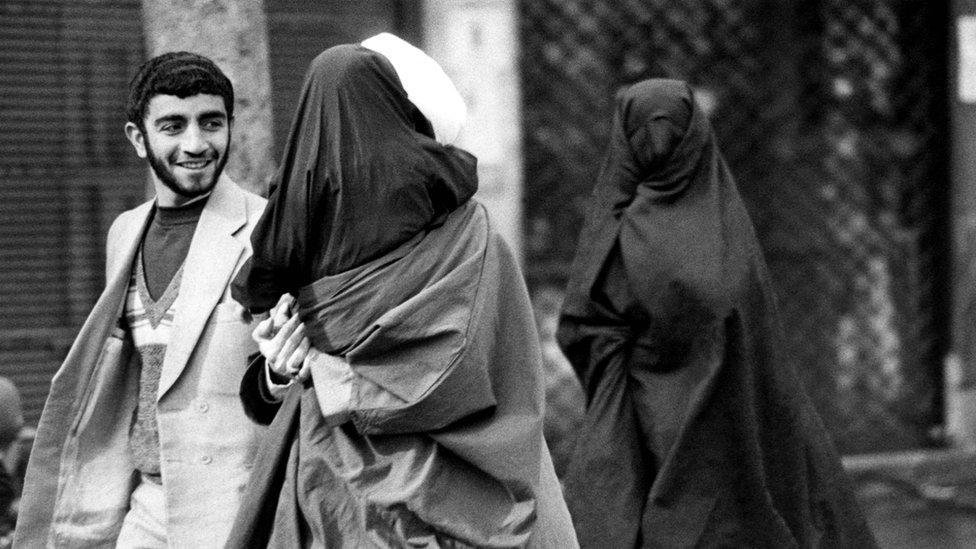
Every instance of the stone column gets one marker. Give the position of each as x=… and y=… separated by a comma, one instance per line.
x=476, y=42
x=234, y=34
x=961, y=364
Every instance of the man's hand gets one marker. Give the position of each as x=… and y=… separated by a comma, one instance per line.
x=281, y=339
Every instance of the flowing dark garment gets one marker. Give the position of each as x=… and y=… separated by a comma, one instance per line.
x=360, y=175
x=399, y=273
x=698, y=432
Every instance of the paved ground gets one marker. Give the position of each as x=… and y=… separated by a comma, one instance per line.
x=902, y=521
x=921, y=502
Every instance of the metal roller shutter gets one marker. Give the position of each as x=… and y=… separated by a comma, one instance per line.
x=66, y=171
x=299, y=30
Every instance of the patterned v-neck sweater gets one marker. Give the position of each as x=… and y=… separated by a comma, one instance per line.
x=150, y=324
x=149, y=312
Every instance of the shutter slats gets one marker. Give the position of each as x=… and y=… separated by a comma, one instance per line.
x=299, y=30
x=64, y=70
x=66, y=171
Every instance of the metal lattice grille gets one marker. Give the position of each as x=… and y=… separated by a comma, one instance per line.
x=830, y=114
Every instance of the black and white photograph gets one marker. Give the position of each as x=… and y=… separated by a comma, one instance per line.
x=552, y=274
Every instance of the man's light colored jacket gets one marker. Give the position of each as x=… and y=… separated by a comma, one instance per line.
x=81, y=474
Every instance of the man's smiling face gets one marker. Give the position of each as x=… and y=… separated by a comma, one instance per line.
x=185, y=141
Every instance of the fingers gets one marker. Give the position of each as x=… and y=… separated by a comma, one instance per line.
x=291, y=344
x=296, y=362
x=278, y=317
x=282, y=311
x=306, y=370
x=285, y=301
x=281, y=339
x=304, y=373
x=274, y=350
x=285, y=331
x=262, y=331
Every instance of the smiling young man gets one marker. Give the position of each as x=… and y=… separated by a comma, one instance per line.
x=143, y=441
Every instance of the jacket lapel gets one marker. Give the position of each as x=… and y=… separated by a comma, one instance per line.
x=128, y=240
x=209, y=264
x=70, y=386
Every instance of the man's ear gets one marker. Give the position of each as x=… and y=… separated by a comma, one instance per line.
x=137, y=138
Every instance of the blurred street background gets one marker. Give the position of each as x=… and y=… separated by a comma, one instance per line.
x=849, y=126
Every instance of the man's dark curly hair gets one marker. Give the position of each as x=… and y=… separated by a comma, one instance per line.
x=178, y=73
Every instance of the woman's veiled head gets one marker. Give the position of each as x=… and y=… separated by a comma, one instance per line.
x=664, y=139
x=360, y=173
x=363, y=89
x=655, y=117
x=357, y=136
x=686, y=238
x=667, y=201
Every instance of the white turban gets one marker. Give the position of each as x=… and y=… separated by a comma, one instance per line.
x=427, y=85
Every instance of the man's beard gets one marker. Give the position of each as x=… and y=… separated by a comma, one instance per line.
x=168, y=178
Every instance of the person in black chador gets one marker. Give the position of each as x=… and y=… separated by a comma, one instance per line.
x=421, y=422
x=697, y=432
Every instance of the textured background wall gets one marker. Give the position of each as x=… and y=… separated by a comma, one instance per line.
x=961, y=367
x=234, y=34
x=832, y=116
x=476, y=42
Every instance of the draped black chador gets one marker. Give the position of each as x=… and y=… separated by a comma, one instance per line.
x=360, y=175
x=697, y=432
x=406, y=281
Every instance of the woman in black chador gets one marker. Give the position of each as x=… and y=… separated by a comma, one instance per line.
x=421, y=424
x=698, y=432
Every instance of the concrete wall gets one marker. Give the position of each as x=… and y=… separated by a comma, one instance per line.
x=476, y=42
x=234, y=34
x=961, y=364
